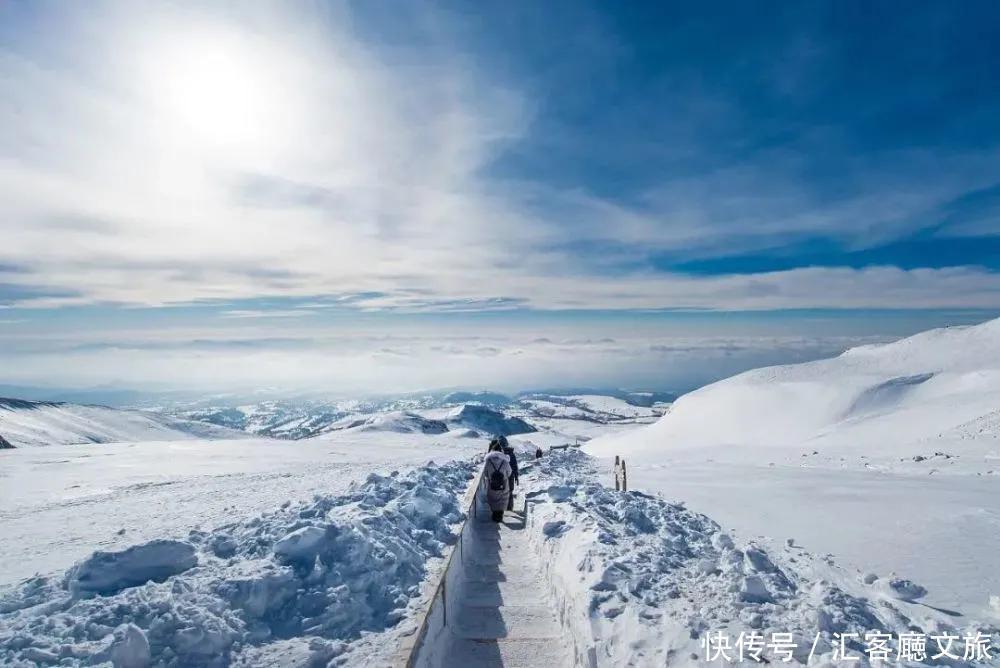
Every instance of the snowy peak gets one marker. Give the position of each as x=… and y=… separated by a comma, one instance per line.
x=947, y=349
x=878, y=398
x=485, y=398
x=488, y=421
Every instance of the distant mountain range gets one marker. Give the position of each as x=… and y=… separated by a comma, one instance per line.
x=503, y=414
x=479, y=413
x=116, y=397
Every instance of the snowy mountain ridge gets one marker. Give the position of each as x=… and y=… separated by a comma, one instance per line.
x=880, y=399
x=33, y=423
x=482, y=411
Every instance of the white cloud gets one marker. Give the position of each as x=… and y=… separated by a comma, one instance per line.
x=359, y=172
x=171, y=154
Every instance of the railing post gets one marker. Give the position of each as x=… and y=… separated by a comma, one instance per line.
x=624, y=477
x=617, y=481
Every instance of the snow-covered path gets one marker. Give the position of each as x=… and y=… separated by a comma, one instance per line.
x=507, y=617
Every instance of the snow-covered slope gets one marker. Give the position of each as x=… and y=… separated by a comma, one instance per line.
x=880, y=399
x=396, y=421
x=272, y=418
x=31, y=423
x=894, y=445
x=641, y=581
x=591, y=407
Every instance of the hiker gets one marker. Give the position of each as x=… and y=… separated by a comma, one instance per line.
x=538, y=452
x=496, y=477
x=514, y=480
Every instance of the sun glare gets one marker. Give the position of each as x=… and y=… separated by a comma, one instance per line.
x=217, y=92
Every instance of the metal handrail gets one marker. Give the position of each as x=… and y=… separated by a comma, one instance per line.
x=407, y=653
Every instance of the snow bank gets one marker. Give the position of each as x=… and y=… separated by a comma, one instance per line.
x=640, y=581
x=108, y=573
x=881, y=398
x=310, y=578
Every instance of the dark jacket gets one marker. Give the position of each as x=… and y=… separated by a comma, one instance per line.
x=509, y=451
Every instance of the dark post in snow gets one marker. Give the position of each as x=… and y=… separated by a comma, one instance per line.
x=621, y=475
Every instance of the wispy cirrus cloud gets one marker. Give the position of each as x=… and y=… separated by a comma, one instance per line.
x=430, y=171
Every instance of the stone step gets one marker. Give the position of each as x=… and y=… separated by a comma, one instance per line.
x=498, y=553
x=510, y=653
x=512, y=521
x=514, y=572
x=520, y=622
x=495, y=594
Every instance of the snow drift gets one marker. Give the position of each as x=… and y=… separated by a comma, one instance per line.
x=877, y=398
x=642, y=581
x=30, y=423
x=305, y=580
x=107, y=573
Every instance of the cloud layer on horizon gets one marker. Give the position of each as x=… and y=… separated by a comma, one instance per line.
x=373, y=362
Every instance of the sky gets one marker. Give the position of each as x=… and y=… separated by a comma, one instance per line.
x=379, y=196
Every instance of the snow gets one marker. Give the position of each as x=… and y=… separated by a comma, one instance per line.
x=498, y=604
x=397, y=421
x=108, y=573
x=886, y=457
x=300, y=545
x=308, y=417
x=875, y=400
x=590, y=407
x=323, y=571
x=30, y=423
x=861, y=492
x=610, y=406
x=554, y=409
x=58, y=504
x=130, y=648
x=561, y=431
x=641, y=580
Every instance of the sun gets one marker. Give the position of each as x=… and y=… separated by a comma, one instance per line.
x=216, y=90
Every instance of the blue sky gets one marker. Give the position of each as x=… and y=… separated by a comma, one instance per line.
x=182, y=179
